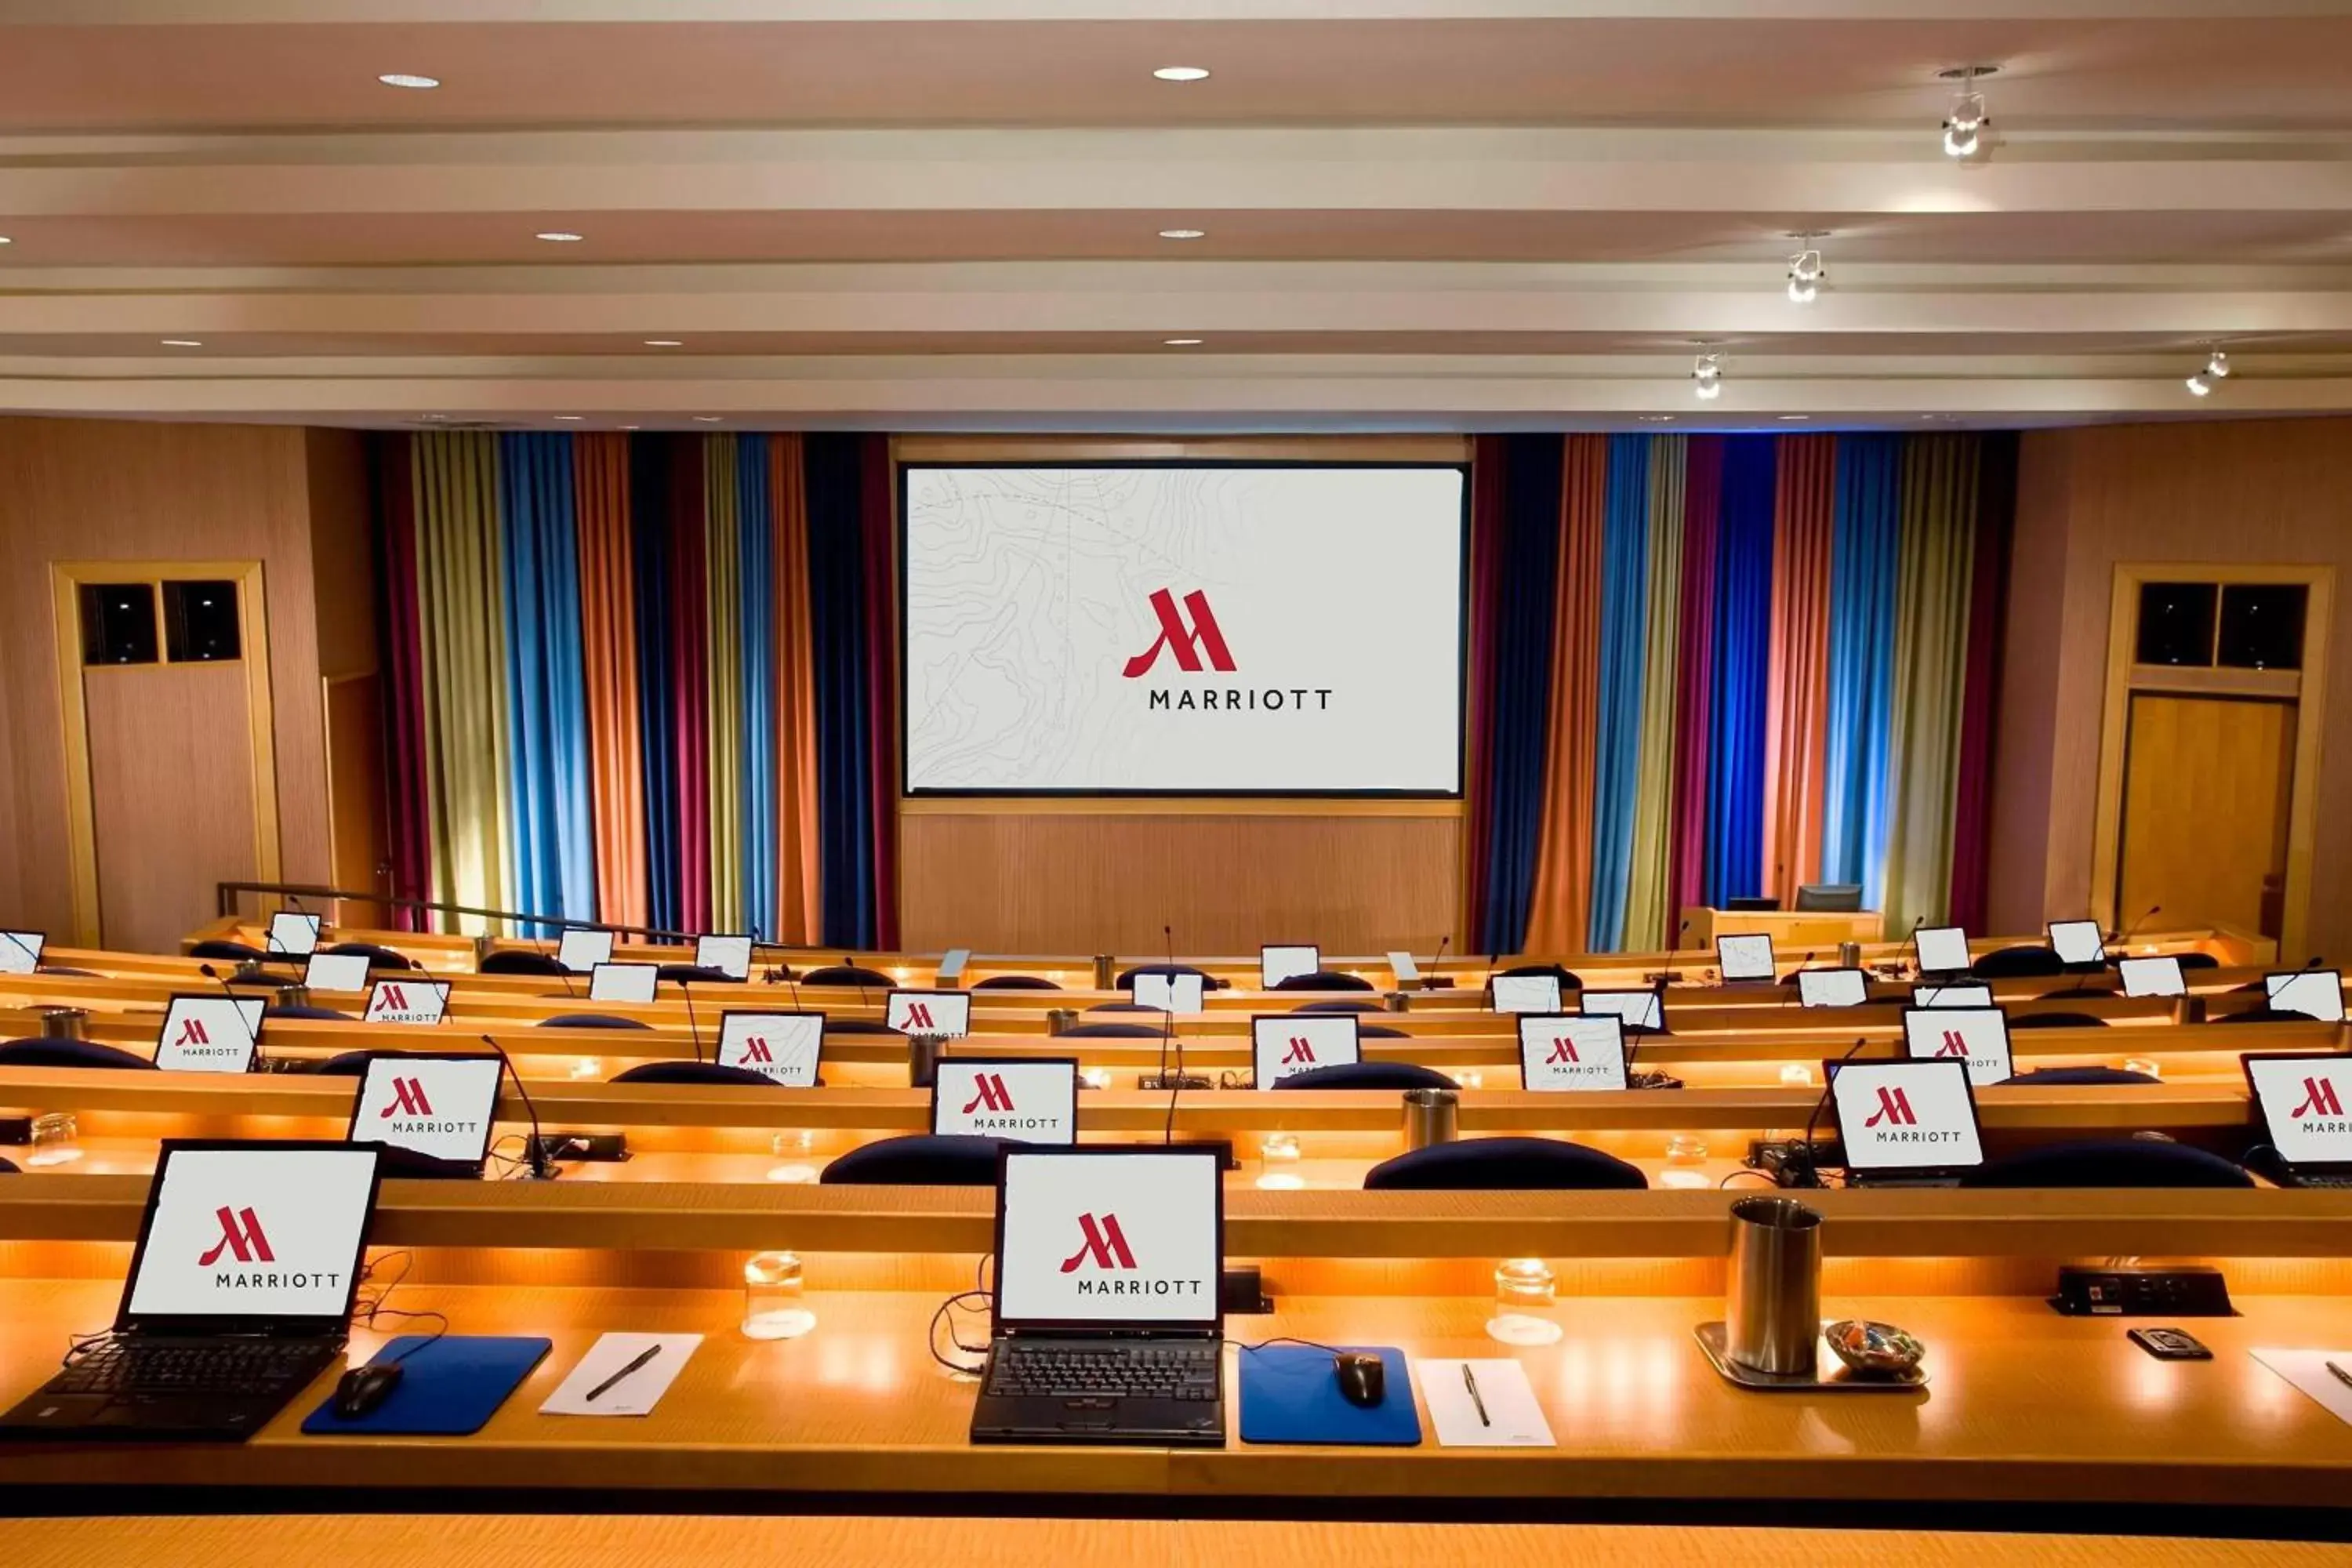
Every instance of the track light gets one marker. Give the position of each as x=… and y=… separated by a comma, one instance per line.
x=2198, y=385
x=1706, y=377
x=1964, y=127
x=2218, y=367
x=2217, y=370
x=1806, y=273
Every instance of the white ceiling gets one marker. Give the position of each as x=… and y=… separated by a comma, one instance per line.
x=943, y=214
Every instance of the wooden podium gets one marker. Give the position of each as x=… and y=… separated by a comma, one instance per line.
x=1791, y=930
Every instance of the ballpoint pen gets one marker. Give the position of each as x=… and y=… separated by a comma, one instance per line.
x=643, y=1356
x=1471, y=1383
x=2342, y=1376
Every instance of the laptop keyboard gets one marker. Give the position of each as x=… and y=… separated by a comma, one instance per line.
x=2302, y=1179
x=1186, y=1372
x=207, y=1367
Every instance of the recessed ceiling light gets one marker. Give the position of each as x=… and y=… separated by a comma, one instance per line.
x=664, y=343
x=1794, y=418
x=1657, y=418
x=183, y=343
x=409, y=80
x=568, y=418
x=6, y=240
x=632, y=426
x=1183, y=73
x=1182, y=343
x=708, y=418
x=561, y=236
x=1183, y=234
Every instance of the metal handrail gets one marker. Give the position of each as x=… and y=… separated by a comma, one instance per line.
x=225, y=899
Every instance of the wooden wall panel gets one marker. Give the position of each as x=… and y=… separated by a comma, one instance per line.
x=76, y=489
x=1068, y=881
x=2243, y=492
x=171, y=794
x=360, y=830
x=343, y=555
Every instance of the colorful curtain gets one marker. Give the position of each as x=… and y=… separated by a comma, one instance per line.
x=1764, y=662
x=630, y=682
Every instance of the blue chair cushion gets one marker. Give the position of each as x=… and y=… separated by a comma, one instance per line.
x=1338, y=1006
x=1568, y=978
x=919, y=1160
x=1209, y=982
x=1324, y=980
x=2198, y=961
x=2263, y=1014
x=2017, y=962
x=1110, y=1032
x=1016, y=983
x=590, y=1021
x=377, y=957
x=516, y=961
x=1380, y=1032
x=214, y=948
x=2079, y=1074
x=8, y=1168
x=1121, y=1008
x=693, y=1072
x=1505, y=1164
x=355, y=1064
x=48, y=1051
x=693, y=974
x=1367, y=1075
x=2109, y=1162
x=848, y=975
x=2057, y=1021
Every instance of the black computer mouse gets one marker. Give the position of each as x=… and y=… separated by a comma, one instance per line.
x=364, y=1388
x=1363, y=1380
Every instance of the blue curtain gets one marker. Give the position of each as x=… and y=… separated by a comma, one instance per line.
x=832, y=465
x=1743, y=626
x=554, y=866
x=1521, y=710
x=755, y=519
x=1624, y=634
x=650, y=508
x=1864, y=552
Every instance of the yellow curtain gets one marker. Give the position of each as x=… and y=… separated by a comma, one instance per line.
x=800, y=895
x=723, y=665
x=461, y=612
x=1648, y=920
x=1935, y=566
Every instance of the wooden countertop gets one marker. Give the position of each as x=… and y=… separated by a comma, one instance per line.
x=640, y=1540
x=2024, y=1404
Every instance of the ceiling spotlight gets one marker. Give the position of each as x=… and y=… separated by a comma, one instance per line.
x=1182, y=343
x=1806, y=273
x=664, y=343
x=6, y=240
x=1707, y=376
x=1964, y=127
x=404, y=78
x=182, y=343
x=2218, y=367
x=1183, y=73
x=1183, y=234
x=568, y=418
x=708, y=418
x=559, y=237
x=2198, y=385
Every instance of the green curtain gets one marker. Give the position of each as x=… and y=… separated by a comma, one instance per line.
x=461, y=611
x=1936, y=559
x=1648, y=920
x=723, y=634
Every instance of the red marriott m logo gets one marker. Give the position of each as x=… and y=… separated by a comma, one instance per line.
x=1954, y=1044
x=918, y=1015
x=408, y=1099
x=1297, y=1051
x=241, y=1234
x=755, y=1049
x=2318, y=1100
x=192, y=1033
x=1893, y=1108
x=990, y=1094
x=1563, y=1051
x=1186, y=643
x=1104, y=1243
x=394, y=997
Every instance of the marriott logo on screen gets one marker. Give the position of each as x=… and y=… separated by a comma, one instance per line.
x=990, y=1096
x=195, y=1040
x=242, y=1240
x=2321, y=1103
x=1102, y=1244
x=1902, y=1122
x=1188, y=644
x=411, y=1112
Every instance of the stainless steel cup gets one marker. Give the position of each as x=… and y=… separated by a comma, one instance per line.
x=923, y=1053
x=1106, y=971
x=1431, y=1116
x=64, y=1023
x=1060, y=1018
x=1849, y=955
x=1773, y=1312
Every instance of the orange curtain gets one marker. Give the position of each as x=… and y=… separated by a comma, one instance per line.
x=1797, y=690
x=608, y=628
x=800, y=895
x=1563, y=881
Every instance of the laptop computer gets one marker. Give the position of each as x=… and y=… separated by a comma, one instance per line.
x=431, y=1111
x=1905, y=1123
x=2302, y=1096
x=240, y=1296
x=1108, y=1324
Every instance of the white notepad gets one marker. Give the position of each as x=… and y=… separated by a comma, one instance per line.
x=634, y=1395
x=2307, y=1370
x=1513, y=1417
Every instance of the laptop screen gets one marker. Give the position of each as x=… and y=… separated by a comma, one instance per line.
x=440, y=1107
x=1091, y=1239
x=1914, y=1116
x=2303, y=1099
x=243, y=1236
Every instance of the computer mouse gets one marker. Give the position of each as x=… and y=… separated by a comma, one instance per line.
x=1363, y=1379
x=364, y=1388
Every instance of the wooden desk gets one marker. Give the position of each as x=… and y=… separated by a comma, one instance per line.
x=640, y=1540
x=2024, y=1405
x=1792, y=930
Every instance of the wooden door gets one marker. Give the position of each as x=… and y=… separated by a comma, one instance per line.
x=2207, y=786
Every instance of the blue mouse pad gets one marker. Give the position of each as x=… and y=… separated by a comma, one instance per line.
x=1290, y=1394
x=450, y=1388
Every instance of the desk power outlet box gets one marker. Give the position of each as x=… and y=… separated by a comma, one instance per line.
x=2184, y=1292
x=601, y=1148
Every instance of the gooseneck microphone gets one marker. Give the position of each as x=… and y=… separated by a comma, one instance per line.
x=253, y=1035
x=536, y=1159
x=1797, y=991
x=1808, y=1173
x=1432, y=981
x=2124, y=939
x=692, y=1023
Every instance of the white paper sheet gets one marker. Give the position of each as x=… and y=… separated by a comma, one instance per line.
x=1514, y=1418
x=2307, y=1370
x=635, y=1394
